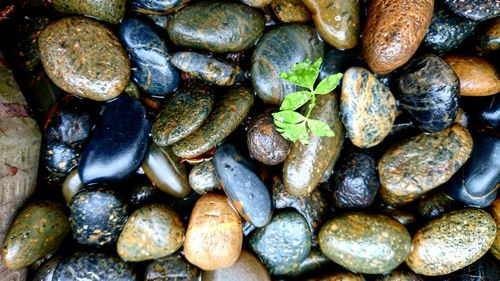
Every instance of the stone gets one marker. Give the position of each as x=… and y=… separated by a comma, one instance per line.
x=486, y=268
x=290, y=11
x=59, y=158
x=203, y=178
x=400, y=275
x=495, y=212
x=477, y=10
x=46, y=271
x=143, y=193
x=111, y=11
x=257, y=3
x=71, y=185
x=488, y=40
x=172, y=268
x=343, y=276
x=485, y=110
x=405, y=218
x=337, y=61
x=156, y=7
x=247, y=267
x=435, y=203
x=316, y=261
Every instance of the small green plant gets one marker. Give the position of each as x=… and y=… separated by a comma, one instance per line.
x=292, y=125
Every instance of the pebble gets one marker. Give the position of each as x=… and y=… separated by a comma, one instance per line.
x=364, y=242
x=256, y=3
x=202, y=177
x=83, y=57
x=495, y=212
x=400, y=275
x=46, y=271
x=316, y=261
x=367, y=107
x=337, y=61
x=71, y=185
x=172, y=268
x=451, y=242
x=486, y=268
x=60, y=158
x=477, y=10
x=290, y=11
x=488, y=40
x=247, y=268
x=142, y=193
x=111, y=11
x=435, y=203
x=156, y=7
x=345, y=276
x=486, y=110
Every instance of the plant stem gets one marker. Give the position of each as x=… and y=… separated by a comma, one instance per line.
x=311, y=105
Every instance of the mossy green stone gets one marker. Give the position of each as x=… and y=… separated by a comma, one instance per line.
x=228, y=113
x=36, y=232
x=111, y=11
x=365, y=243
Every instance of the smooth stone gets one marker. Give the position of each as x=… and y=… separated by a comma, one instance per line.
x=36, y=232
x=477, y=10
x=247, y=268
x=405, y=218
x=477, y=76
x=118, y=143
x=264, y=143
x=337, y=61
x=143, y=193
x=203, y=178
x=152, y=231
x=290, y=11
x=435, y=204
x=111, y=11
x=151, y=69
x=355, y=181
x=240, y=181
x=208, y=69
x=495, y=212
x=447, y=31
x=276, y=52
x=456, y=190
x=43, y=92
x=93, y=266
x=282, y=244
x=394, y=31
x=365, y=243
x=46, y=271
x=182, y=114
x=367, y=108
x=83, y=57
x=315, y=262
x=428, y=90
x=60, y=158
x=488, y=40
x=256, y=3
x=166, y=172
x=344, y=276
x=214, y=236
x=220, y=27
x=160, y=21
x=227, y=114
x=172, y=268
x=156, y=7
x=400, y=275
x=71, y=185
x=419, y=164
x=451, y=242
x=305, y=165
x=486, y=110
x=338, y=22
x=486, y=268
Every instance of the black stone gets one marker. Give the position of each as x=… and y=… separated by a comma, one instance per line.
x=337, y=61
x=486, y=110
x=171, y=268
x=60, y=158
x=474, y=9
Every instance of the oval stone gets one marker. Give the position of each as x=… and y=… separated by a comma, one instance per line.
x=277, y=52
x=229, y=111
x=247, y=268
x=456, y=190
x=338, y=22
x=151, y=69
x=83, y=57
x=428, y=91
x=172, y=268
x=411, y=168
x=214, y=236
x=367, y=107
x=36, y=231
x=156, y=7
x=495, y=212
x=365, y=243
x=477, y=10
x=393, y=32
x=242, y=185
x=71, y=185
x=451, y=242
x=182, y=114
x=202, y=177
x=282, y=244
x=489, y=38
x=111, y=11
x=290, y=11
x=152, y=231
x=477, y=76
x=305, y=165
x=220, y=27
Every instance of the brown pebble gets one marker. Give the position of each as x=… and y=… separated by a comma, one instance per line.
x=247, y=268
x=495, y=212
x=290, y=11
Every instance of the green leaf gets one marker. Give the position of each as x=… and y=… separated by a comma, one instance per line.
x=303, y=74
x=328, y=84
x=319, y=128
x=295, y=132
x=288, y=116
x=295, y=100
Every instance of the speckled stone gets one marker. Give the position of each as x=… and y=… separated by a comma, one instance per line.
x=488, y=40
x=152, y=231
x=276, y=52
x=97, y=217
x=36, y=231
x=214, y=236
x=182, y=114
x=495, y=212
x=338, y=22
x=415, y=166
x=344, y=276
x=282, y=244
x=394, y=31
x=111, y=11
x=156, y=7
x=451, y=242
x=228, y=112
x=172, y=268
x=93, y=266
x=71, y=185
x=290, y=11
x=367, y=107
x=46, y=271
x=83, y=57
x=400, y=275
x=202, y=177
x=142, y=193
x=220, y=27
x=477, y=76
x=305, y=165
x=428, y=90
x=247, y=267
x=60, y=158
x=365, y=243
x=477, y=10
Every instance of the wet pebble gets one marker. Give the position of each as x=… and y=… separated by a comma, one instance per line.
x=47, y=269
x=486, y=110
x=171, y=268
x=290, y=11
x=477, y=10
x=142, y=193
x=488, y=40
x=111, y=11
x=247, y=268
x=60, y=158
x=435, y=203
x=71, y=185
x=155, y=7
x=202, y=177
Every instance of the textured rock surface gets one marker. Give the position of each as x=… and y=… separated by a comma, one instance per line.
x=495, y=212
x=202, y=177
x=474, y=9
x=111, y=11
x=290, y=10
x=172, y=268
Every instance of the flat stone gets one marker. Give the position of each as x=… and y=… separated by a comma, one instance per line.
x=111, y=11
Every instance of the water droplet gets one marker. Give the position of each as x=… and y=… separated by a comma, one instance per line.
x=337, y=18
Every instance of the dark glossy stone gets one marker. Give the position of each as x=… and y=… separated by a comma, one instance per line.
x=365, y=243
x=447, y=31
x=160, y=21
x=290, y=11
x=202, y=177
x=474, y=9
x=142, y=193
x=436, y=203
x=488, y=40
x=337, y=61
x=155, y=6
x=93, y=266
x=111, y=11
x=118, y=143
x=485, y=269
x=71, y=185
x=404, y=217
x=247, y=267
x=277, y=52
x=483, y=109
x=171, y=268
x=355, y=181
x=60, y=158
x=220, y=27
x=97, y=217
x=183, y=114
x=152, y=71
x=316, y=261
x=282, y=244
x=456, y=190
x=428, y=91
x=47, y=269
x=242, y=185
